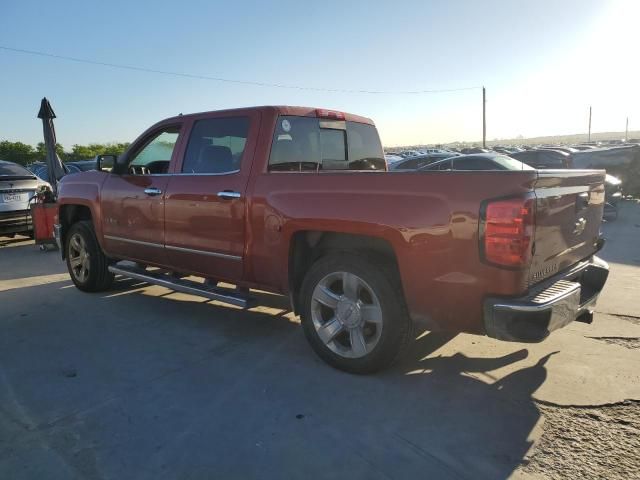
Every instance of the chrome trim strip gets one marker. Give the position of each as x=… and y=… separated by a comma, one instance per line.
x=136, y=242
x=182, y=174
x=177, y=249
x=208, y=174
x=546, y=192
x=204, y=252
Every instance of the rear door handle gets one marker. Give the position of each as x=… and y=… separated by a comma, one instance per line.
x=228, y=194
x=153, y=191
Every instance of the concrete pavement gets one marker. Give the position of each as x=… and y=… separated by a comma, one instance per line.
x=142, y=382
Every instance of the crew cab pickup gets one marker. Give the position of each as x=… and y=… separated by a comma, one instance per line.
x=299, y=202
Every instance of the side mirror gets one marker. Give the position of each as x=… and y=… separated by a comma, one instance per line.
x=105, y=163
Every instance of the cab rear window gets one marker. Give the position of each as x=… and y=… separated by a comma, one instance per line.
x=313, y=144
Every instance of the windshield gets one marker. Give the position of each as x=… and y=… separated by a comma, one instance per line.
x=13, y=170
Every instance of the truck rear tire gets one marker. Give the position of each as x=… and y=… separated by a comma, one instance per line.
x=353, y=312
x=87, y=264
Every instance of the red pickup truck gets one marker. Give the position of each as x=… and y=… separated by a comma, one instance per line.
x=298, y=201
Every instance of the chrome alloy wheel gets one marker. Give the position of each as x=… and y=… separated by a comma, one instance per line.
x=346, y=314
x=79, y=258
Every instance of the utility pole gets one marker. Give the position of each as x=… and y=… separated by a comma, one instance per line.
x=626, y=131
x=589, y=123
x=484, y=118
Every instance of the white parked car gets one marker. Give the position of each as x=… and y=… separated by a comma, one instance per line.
x=17, y=186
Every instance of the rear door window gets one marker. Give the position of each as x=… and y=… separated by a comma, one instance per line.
x=312, y=144
x=216, y=145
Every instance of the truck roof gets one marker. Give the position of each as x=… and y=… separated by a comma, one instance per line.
x=277, y=110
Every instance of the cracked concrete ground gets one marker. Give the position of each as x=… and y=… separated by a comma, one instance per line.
x=141, y=382
x=628, y=342
x=588, y=442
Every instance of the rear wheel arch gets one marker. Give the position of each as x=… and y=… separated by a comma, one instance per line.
x=307, y=246
x=352, y=312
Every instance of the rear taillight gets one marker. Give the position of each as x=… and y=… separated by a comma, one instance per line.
x=507, y=231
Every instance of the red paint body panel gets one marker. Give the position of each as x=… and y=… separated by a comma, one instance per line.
x=130, y=214
x=196, y=218
x=430, y=220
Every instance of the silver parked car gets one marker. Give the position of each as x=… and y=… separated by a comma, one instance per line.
x=17, y=186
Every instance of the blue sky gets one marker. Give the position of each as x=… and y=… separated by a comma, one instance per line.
x=543, y=62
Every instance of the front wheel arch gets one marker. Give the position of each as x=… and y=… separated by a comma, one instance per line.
x=69, y=214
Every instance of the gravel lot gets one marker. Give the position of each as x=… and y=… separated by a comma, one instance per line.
x=143, y=382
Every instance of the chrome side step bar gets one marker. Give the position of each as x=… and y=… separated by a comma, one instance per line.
x=181, y=285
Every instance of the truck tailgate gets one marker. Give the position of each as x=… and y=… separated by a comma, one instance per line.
x=569, y=206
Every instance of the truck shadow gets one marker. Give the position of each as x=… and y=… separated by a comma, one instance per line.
x=232, y=380
x=481, y=425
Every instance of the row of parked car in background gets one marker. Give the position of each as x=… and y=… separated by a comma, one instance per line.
x=17, y=188
x=19, y=184
x=587, y=155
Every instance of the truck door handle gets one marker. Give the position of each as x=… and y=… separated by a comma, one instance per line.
x=228, y=194
x=153, y=191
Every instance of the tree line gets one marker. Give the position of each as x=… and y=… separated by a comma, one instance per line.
x=25, y=154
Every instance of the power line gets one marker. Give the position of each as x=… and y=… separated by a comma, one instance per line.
x=230, y=80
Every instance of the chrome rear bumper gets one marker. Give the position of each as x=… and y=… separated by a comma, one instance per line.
x=549, y=306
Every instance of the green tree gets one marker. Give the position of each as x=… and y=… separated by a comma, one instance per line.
x=25, y=154
x=17, y=152
x=84, y=152
x=42, y=151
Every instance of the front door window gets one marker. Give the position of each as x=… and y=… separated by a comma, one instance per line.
x=155, y=155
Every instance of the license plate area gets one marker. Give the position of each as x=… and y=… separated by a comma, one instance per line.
x=14, y=197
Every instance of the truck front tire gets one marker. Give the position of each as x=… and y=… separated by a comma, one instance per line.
x=353, y=313
x=87, y=264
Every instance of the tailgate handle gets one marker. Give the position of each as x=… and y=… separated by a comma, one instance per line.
x=582, y=201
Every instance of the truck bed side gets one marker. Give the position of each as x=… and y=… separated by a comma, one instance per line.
x=430, y=220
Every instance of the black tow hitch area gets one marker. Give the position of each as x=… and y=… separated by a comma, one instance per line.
x=586, y=317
